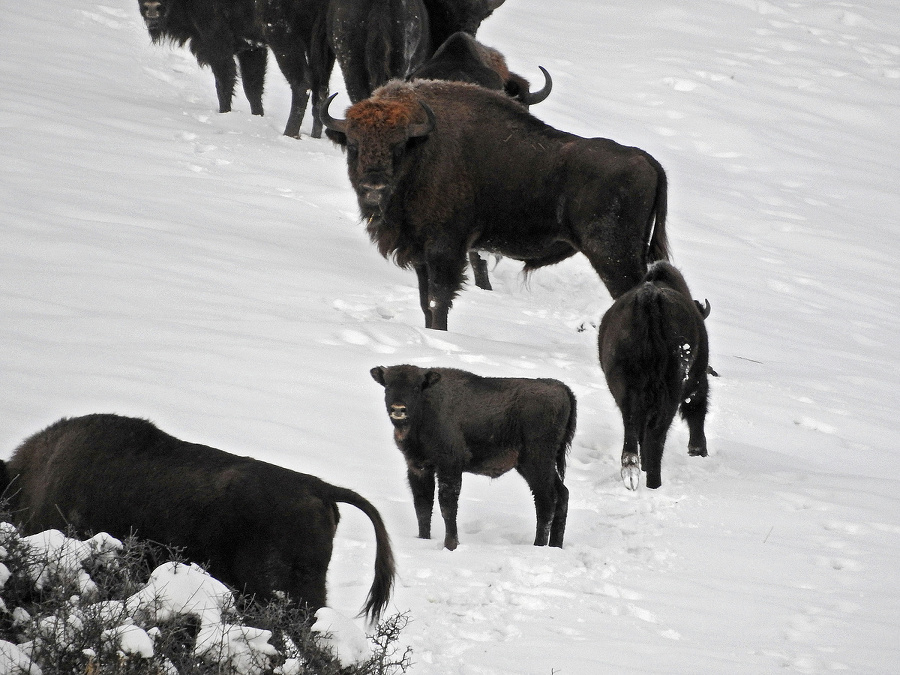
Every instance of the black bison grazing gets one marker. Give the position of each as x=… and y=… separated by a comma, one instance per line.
x=376, y=40
x=449, y=421
x=441, y=168
x=654, y=352
x=260, y=527
x=217, y=31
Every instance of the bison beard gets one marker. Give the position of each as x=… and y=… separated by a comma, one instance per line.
x=654, y=352
x=441, y=168
x=260, y=528
x=448, y=421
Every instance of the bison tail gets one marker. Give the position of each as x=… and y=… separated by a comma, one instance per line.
x=385, y=569
x=568, y=436
x=654, y=368
x=658, y=244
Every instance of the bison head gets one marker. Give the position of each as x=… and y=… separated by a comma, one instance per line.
x=379, y=134
x=404, y=389
x=154, y=13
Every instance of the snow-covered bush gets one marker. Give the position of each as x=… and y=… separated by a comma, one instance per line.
x=107, y=607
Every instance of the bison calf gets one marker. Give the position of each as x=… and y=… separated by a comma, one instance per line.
x=260, y=528
x=449, y=421
x=654, y=352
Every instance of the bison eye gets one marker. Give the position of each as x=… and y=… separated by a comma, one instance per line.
x=399, y=151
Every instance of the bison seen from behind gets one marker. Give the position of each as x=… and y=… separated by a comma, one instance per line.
x=654, y=352
x=449, y=421
x=260, y=527
x=440, y=168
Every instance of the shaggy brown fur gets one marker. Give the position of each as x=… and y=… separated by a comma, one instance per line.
x=490, y=176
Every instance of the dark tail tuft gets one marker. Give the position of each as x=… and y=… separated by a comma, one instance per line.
x=569, y=435
x=385, y=569
x=658, y=245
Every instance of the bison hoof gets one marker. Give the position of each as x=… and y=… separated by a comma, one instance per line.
x=631, y=476
x=697, y=452
x=450, y=544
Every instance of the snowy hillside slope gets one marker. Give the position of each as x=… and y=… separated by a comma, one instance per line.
x=161, y=260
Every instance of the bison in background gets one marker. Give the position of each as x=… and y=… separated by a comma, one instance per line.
x=654, y=352
x=217, y=31
x=462, y=58
x=442, y=168
x=449, y=421
x=260, y=528
x=450, y=16
x=376, y=40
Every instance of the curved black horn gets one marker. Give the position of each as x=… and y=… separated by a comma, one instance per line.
x=704, y=310
x=425, y=128
x=537, y=96
x=327, y=120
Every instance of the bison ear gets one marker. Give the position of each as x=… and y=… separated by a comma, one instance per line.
x=377, y=374
x=337, y=137
x=432, y=377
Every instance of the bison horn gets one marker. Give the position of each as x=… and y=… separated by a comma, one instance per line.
x=704, y=309
x=538, y=96
x=327, y=120
x=425, y=128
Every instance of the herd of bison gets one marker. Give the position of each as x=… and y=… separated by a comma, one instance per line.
x=446, y=161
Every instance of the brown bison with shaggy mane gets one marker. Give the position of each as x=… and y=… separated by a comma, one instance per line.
x=441, y=168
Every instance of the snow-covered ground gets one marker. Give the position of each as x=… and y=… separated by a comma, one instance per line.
x=161, y=260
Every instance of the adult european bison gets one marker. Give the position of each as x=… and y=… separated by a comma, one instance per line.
x=260, y=527
x=654, y=352
x=441, y=168
x=217, y=31
x=462, y=58
x=449, y=421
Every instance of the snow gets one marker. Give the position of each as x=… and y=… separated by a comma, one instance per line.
x=161, y=260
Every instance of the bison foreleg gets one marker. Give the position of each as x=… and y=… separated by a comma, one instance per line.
x=631, y=468
x=422, y=485
x=445, y=272
x=449, y=485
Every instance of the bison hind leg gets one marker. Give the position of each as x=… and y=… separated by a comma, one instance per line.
x=253, y=76
x=558, y=527
x=631, y=470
